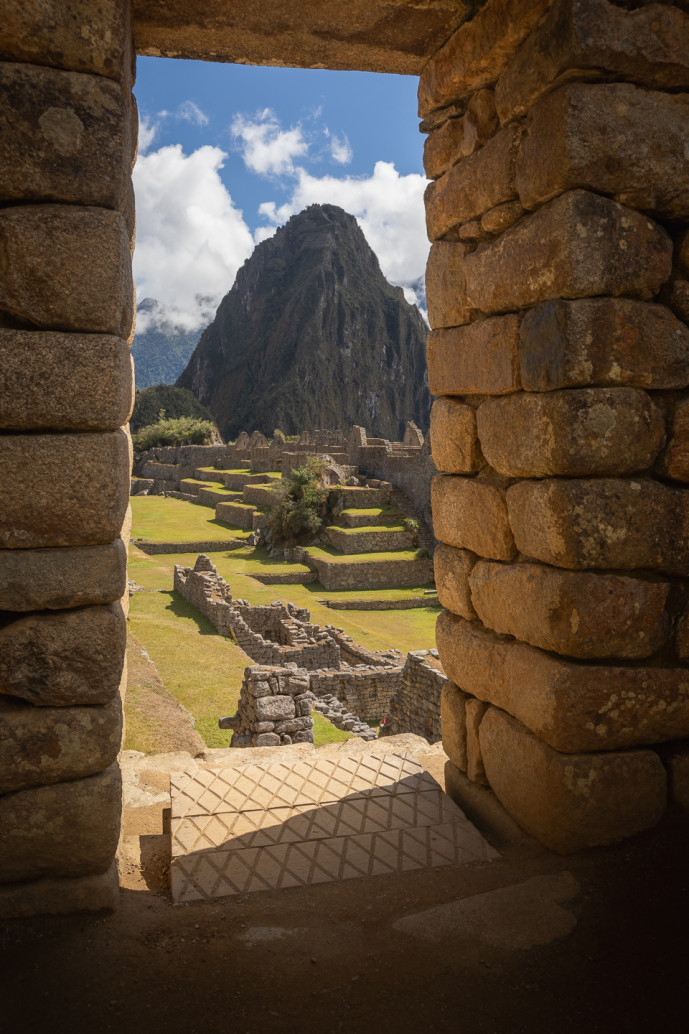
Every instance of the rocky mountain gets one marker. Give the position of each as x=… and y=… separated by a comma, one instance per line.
x=312, y=335
x=162, y=351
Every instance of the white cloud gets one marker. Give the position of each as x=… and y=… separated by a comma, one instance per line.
x=191, y=112
x=147, y=133
x=340, y=149
x=267, y=148
x=388, y=207
x=191, y=240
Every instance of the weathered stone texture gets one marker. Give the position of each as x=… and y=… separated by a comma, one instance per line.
x=67, y=829
x=70, y=130
x=65, y=382
x=67, y=490
x=479, y=359
x=452, y=569
x=55, y=896
x=478, y=51
x=576, y=433
x=475, y=711
x=570, y=802
x=577, y=245
x=679, y=299
x=677, y=765
x=604, y=341
x=602, y=522
x=675, y=461
x=453, y=724
x=480, y=182
x=42, y=745
x=572, y=706
x=458, y=137
x=499, y=219
x=84, y=35
x=649, y=47
x=66, y=267
x=53, y=579
x=445, y=286
x=571, y=612
x=66, y=658
x=454, y=440
x=612, y=138
x=472, y=514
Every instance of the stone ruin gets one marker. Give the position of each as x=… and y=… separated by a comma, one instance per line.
x=274, y=708
x=558, y=294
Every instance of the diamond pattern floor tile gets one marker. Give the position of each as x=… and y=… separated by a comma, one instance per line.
x=260, y=827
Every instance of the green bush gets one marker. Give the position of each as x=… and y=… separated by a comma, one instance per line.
x=148, y=402
x=300, y=503
x=184, y=430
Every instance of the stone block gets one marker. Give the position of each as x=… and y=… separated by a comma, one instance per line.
x=452, y=570
x=84, y=35
x=570, y=801
x=472, y=514
x=613, y=138
x=682, y=635
x=580, y=244
x=675, y=461
x=602, y=522
x=67, y=829
x=67, y=489
x=56, y=896
x=577, y=613
x=454, y=441
x=453, y=724
x=460, y=134
x=445, y=285
x=65, y=382
x=603, y=341
x=64, y=658
x=573, y=432
x=475, y=710
x=70, y=131
x=479, y=359
x=677, y=765
x=53, y=579
x=266, y=739
x=570, y=705
x=650, y=47
x=499, y=219
x=42, y=745
x=679, y=299
x=275, y=709
x=67, y=267
x=478, y=51
x=480, y=182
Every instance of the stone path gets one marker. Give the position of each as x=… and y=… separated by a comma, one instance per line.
x=313, y=820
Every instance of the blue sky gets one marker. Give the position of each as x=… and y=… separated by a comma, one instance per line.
x=228, y=152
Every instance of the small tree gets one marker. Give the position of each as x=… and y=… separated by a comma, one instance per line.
x=300, y=503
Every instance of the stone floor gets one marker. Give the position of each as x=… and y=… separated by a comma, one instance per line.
x=296, y=822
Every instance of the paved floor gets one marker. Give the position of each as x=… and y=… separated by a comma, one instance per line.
x=266, y=826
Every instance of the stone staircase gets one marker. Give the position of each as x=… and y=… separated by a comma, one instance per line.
x=297, y=818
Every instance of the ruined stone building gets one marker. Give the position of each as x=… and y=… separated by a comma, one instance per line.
x=558, y=293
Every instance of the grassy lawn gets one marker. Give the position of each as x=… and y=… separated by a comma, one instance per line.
x=366, y=529
x=335, y=556
x=176, y=520
x=373, y=511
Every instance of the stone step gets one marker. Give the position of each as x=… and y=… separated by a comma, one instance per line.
x=239, y=514
x=212, y=495
x=398, y=570
x=311, y=820
x=370, y=539
x=375, y=515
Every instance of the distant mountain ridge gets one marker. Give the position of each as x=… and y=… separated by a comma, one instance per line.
x=162, y=351
x=312, y=335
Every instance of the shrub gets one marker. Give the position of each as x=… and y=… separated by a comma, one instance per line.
x=300, y=503
x=411, y=524
x=423, y=554
x=148, y=403
x=184, y=430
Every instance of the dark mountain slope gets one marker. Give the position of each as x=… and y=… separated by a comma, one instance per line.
x=312, y=335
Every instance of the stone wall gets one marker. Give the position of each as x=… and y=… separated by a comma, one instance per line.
x=415, y=706
x=367, y=691
x=68, y=128
x=557, y=141
x=274, y=708
x=296, y=641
